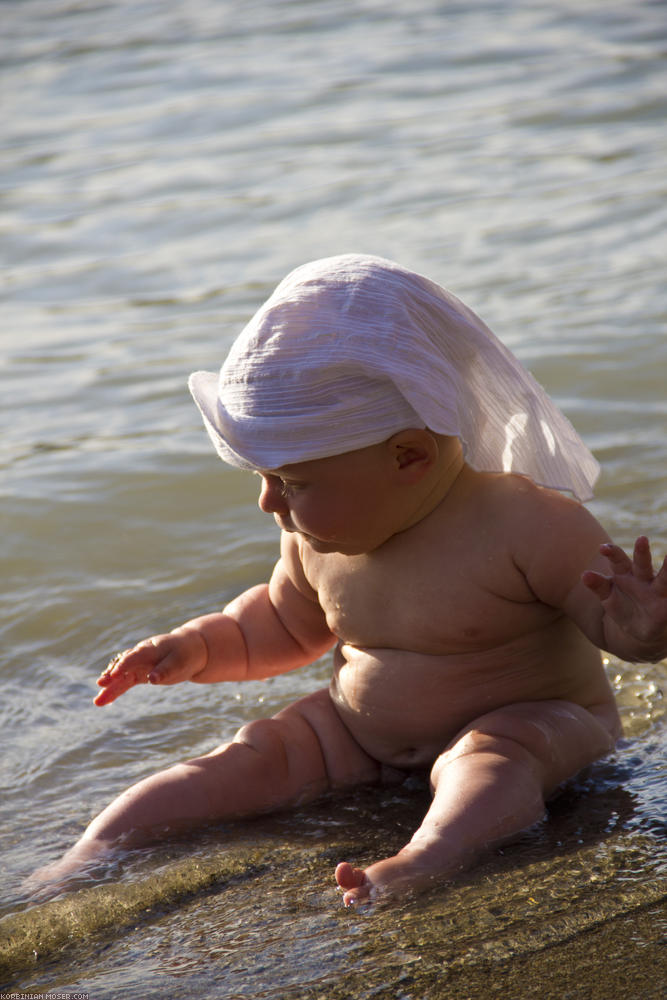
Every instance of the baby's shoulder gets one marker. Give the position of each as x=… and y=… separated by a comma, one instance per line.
x=531, y=519
x=513, y=495
x=550, y=537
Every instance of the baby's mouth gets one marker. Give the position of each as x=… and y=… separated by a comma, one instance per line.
x=284, y=523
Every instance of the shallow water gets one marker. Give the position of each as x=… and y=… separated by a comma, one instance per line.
x=163, y=166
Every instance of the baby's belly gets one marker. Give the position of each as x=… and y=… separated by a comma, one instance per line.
x=404, y=708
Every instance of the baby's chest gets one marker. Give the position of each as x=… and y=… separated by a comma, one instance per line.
x=416, y=607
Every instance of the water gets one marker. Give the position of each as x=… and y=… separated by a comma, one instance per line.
x=163, y=166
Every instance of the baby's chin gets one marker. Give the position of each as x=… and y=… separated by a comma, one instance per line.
x=323, y=545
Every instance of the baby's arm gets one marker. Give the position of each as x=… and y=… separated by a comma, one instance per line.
x=269, y=629
x=619, y=603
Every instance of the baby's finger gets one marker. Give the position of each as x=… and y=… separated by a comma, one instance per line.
x=114, y=689
x=127, y=669
x=660, y=579
x=110, y=670
x=619, y=559
x=171, y=669
x=642, y=562
x=601, y=586
x=139, y=660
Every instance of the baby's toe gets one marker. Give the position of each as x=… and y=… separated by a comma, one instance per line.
x=348, y=877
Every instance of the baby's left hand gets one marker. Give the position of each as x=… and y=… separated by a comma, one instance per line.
x=633, y=596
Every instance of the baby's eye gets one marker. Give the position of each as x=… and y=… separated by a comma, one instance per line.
x=287, y=488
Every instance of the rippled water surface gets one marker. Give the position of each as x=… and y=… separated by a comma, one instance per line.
x=163, y=166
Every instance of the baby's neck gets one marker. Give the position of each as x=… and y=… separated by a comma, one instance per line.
x=445, y=474
x=451, y=464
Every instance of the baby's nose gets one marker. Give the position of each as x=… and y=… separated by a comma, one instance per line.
x=271, y=499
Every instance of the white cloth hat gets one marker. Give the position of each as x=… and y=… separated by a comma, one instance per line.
x=351, y=349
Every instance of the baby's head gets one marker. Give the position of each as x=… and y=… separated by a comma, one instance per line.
x=356, y=501
x=317, y=370
x=352, y=349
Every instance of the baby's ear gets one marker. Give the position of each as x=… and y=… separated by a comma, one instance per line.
x=413, y=452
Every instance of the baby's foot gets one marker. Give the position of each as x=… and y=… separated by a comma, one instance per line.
x=46, y=883
x=356, y=887
x=405, y=871
x=77, y=867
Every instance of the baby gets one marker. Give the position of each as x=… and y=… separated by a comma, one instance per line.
x=413, y=468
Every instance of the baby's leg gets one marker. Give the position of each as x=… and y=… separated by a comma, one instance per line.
x=271, y=763
x=489, y=784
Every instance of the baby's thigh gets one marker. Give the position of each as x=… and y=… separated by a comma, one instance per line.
x=555, y=739
x=343, y=761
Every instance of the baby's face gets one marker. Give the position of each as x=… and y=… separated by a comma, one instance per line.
x=341, y=504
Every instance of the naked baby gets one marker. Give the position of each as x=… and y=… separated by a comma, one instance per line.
x=417, y=474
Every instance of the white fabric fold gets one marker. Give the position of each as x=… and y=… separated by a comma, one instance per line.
x=351, y=349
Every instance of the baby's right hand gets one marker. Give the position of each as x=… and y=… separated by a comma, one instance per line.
x=162, y=659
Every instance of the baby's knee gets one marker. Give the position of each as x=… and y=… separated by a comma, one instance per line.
x=554, y=739
x=265, y=737
x=286, y=748
x=485, y=738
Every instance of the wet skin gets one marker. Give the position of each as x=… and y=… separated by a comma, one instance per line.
x=467, y=612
